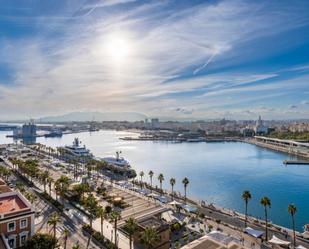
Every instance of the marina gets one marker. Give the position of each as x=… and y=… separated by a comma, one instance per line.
x=218, y=171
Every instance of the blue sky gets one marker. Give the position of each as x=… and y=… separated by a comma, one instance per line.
x=174, y=58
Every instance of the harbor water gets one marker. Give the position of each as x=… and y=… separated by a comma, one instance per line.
x=218, y=172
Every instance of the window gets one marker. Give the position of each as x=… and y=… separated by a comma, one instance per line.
x=11, y=242
x=23, y=223
x=23, y=239
x=11, y=226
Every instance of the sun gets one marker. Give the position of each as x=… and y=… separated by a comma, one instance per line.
x=118, y=48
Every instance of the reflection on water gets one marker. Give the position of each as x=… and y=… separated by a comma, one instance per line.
x=218, y=172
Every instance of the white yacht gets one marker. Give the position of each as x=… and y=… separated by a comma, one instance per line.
x=77, y=150
x=117, y=160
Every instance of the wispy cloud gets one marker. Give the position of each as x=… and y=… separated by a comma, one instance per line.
x=176, y=61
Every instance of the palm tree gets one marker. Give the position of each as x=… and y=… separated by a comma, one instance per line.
x=185, y=183
x=141, y=174
x=91, y=206
x=61, y=186
x=115, y=216
x=172, y=182
x=161, y=179
x=76, y=246
x=66, y=235
x=265, y=201
x=102, y=213
x=292, y=210
x=149, y=238
x=53, y=220
x=44, y=178
x=131, y=227
x=150, y=175
x=50, y=181
x=246, y=196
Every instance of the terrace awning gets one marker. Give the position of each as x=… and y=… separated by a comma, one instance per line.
x=277, y=241
x=301, y=247
x=253, y=232
x=174, y=203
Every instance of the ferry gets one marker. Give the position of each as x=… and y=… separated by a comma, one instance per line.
x=117, y=161
x=305, y=234
x=54, y=133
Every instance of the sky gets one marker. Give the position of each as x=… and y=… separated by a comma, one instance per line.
x=180, y=59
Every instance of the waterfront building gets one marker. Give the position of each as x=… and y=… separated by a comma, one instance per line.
x=155, y=124
x=29, y=130
x=16, y=219
x=215, y=240
x=284, y=145
x=260, y=128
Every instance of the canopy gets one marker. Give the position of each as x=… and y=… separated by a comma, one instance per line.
x=152, y=195
x=301, y=247
x=189, y=208
x=253, y=232
x=277, y=241
x=174, y=203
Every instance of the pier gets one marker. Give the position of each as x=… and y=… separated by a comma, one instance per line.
x=282, y=145
x=300, y=162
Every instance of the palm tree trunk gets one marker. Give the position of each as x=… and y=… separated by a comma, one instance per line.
x=65, y=242
x=172, y=192
x=246, y=214
x=54, y=228
x=115, y=228
x=185, y=195
x=88, y=242
x=294, y=238
x=130, y=239
x=102, y=226
x=266, y=225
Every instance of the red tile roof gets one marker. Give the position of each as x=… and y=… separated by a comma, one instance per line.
x=11, y=204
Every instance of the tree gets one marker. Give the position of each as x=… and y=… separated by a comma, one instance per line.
x=115, y=216
x=246, y=196
x=102, y=213
x=161, y=179
x=91, y=206
x=265, y=201
x=66, y=235
x=292, y=211
x=172, y=182
x=44, y=178
x=150, y=173
x=185, y=183
x=149, y=238
x=31, y=197
x=76, y=246
x=41, y=241
x=53, y=220
x=131, y=227
x=61, y=186
x=50, y=181
x=141, y=174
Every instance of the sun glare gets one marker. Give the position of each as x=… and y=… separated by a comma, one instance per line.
x=118, y=48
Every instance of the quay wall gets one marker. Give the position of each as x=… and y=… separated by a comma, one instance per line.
x=295, y=151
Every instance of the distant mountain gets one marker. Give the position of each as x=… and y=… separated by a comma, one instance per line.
x=96, y=116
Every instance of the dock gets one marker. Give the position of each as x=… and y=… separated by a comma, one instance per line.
x=300, y=162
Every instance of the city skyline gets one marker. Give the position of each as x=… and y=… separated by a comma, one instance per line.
x=180, y=59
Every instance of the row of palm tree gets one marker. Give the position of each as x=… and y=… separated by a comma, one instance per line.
x=185, y=182
x=266, y=203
